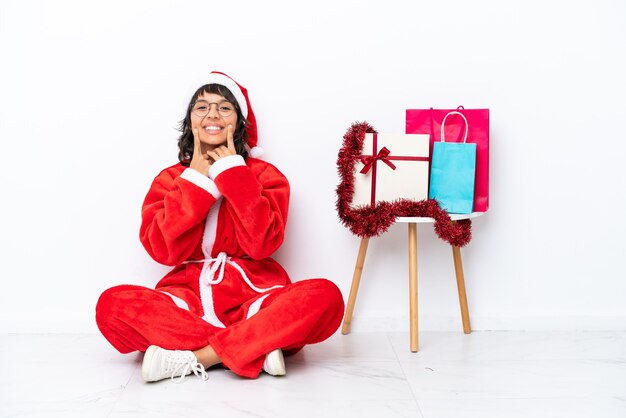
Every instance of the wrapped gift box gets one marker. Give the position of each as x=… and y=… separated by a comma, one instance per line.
x=393, y=166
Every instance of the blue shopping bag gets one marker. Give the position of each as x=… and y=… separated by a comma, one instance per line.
x=453, y=169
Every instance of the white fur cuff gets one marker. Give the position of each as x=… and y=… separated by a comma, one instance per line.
x=199, y=180
x=224, y=164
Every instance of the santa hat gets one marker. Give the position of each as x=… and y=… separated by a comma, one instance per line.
x=241, y=95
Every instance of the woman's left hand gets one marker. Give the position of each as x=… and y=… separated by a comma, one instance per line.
x=224, y=150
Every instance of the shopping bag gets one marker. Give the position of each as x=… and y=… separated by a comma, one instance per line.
x=392, y=167
x=452, y=172
x=428, y=121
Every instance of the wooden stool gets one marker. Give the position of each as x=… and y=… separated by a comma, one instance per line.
x=458, y=268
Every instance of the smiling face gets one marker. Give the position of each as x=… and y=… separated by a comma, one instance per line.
x=212, y=127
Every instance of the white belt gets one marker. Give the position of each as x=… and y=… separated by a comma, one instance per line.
x=211, y=265
x=207, y=280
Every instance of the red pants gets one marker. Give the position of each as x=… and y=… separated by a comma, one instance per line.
x=133, y=318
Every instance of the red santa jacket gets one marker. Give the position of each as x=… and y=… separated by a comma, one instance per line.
x=219, y=232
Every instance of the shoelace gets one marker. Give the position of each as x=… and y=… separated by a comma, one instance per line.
x=179, y=365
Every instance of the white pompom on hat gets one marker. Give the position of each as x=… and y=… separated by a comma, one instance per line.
x=241, y=95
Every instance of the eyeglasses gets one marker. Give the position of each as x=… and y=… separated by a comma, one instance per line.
x=201, y=108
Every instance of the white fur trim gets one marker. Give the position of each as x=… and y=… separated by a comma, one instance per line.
x=178, y=301
x=224, y=164
x=256, y=152
x=210, y=228
x=227, y=82
x=255, y=306
x=206, y=297
x=199, y=180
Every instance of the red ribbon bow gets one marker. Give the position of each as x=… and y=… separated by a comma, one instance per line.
x=368, y=160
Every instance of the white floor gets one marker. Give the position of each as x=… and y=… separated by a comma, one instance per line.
x=484, y=374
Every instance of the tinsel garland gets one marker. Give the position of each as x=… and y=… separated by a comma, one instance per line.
x=368, y=221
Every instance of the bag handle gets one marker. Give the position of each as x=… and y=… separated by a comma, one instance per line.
x=432, y=119
x=443, y=123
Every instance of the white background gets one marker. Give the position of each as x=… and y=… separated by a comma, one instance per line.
x=91, y=94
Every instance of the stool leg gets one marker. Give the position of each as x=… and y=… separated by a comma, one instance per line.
x=413, y=285
x=356, y=279
x=460, y=282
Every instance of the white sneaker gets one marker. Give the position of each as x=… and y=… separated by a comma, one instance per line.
x=274, y=363
x=159, y=364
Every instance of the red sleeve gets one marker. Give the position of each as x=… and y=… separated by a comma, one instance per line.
x=258, y=196
x=174, y=213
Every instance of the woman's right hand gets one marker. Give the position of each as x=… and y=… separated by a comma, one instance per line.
x=199, y=162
